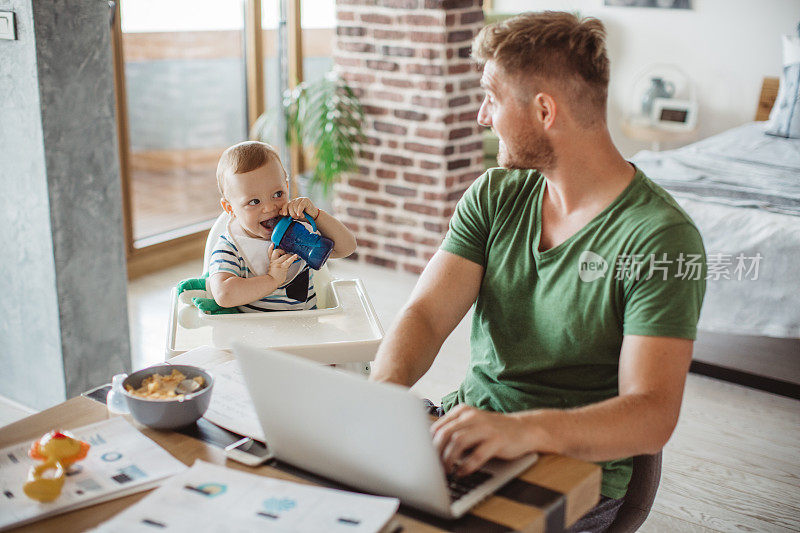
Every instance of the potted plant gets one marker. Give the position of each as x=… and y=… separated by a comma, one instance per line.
x=325, y=118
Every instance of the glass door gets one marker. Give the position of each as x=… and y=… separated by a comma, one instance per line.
x=192, y=76
x=318, y=22
x=185, y=100
x=308, y=28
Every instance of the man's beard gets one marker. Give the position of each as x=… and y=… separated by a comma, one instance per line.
x=536, y=152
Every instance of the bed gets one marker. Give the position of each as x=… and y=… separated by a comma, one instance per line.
x=742, y=189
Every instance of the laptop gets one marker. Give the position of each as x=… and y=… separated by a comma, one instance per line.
x=371, y=436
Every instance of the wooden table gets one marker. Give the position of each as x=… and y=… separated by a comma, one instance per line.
x=554, y=492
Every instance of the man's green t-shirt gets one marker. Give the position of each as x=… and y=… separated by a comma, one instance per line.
x=547, y=326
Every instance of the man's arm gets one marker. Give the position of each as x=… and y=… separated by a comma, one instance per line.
x=443, y=295
x=652, y=374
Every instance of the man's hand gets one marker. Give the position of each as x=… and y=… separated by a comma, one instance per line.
x=467, y=438
x=279, y=263
x=296, y=207
x=640, y=420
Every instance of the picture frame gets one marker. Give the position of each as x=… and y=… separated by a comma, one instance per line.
x=674, y=114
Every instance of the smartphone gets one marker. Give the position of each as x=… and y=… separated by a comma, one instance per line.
x=248, y=452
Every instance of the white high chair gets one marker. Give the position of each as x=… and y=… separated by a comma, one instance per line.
x=344, y=330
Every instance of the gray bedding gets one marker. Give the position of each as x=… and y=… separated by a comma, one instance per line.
x=741, y=167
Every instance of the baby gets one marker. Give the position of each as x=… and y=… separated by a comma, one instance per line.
x=246, y=270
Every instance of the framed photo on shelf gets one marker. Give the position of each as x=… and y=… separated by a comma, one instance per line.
x=674, y=114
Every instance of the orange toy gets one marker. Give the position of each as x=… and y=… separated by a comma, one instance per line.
x=59, y=450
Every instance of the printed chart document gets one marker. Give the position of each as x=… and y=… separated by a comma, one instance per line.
x=214, y=498
x=121, y=461
x=231, y=407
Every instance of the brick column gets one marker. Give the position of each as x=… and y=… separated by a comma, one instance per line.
x=408, y=61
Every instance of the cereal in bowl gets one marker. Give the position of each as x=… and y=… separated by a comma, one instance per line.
x=158, y=387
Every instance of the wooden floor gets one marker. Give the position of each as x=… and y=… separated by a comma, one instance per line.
x=733, y=463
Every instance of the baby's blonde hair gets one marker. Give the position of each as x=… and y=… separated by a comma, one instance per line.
x=245, y=157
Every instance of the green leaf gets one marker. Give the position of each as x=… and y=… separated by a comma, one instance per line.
x=326, y=117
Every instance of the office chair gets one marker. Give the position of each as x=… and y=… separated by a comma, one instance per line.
x=641, y=493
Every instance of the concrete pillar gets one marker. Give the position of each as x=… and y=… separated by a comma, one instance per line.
x=63, y=299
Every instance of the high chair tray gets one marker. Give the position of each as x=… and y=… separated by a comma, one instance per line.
x=347, y=330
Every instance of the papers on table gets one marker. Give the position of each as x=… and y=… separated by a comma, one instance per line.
x=231, y=406
x=121, y=461
x=213, y=498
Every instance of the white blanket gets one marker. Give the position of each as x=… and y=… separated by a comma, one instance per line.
x=768, y=305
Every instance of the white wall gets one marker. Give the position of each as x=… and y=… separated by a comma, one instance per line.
x=726, y=47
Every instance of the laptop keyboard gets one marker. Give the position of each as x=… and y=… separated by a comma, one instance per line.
x=459, y=486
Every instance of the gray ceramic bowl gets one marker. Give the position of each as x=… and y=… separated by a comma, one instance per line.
x=168, y=414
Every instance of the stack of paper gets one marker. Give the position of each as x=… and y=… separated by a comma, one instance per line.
x=213, y=498
x=121, y=461
x=231, y=407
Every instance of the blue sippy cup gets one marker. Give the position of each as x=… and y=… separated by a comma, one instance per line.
x=291, y=236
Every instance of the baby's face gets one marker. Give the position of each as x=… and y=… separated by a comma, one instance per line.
x=256, y=199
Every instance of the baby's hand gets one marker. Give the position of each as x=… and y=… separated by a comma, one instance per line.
x=279, y=263
x=296, y=207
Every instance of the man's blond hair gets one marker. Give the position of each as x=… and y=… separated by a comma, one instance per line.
x=555, y=47
x=244, y=157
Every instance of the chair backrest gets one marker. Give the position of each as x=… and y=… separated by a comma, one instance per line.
x=641, y=494
x=216, y=230
x=322, y=277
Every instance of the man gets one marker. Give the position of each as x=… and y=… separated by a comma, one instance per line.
x=587, y=278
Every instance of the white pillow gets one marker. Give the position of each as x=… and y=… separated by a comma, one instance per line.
x=784, y=119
